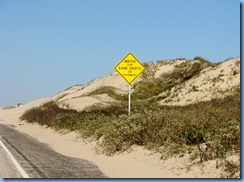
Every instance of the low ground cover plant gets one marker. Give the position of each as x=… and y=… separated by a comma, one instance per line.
x=215, y=123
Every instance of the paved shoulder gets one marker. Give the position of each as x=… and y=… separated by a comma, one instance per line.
x=7, y=168
x=40, y=161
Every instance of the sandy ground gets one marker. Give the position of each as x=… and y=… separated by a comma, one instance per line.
x=138, y=163
x=111, y=79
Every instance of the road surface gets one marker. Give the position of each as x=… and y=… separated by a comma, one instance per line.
x=38, y=160
x=7, y=168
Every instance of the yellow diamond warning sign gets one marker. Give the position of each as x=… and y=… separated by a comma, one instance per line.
x=129, y=68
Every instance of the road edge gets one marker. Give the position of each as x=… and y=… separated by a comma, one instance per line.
x=15, y=162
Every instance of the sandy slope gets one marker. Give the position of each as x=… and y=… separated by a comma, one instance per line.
x=112, y=79
x=211, y=83
x=77, y=97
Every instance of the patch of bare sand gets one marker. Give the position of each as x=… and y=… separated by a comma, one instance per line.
x=167, y=67
x=81, y=103
x=66, y=92
x=111, y=79
x=14, y=113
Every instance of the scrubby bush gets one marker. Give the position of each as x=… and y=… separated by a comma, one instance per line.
x=147, y=88
x=110, y=91
x=215, y=123
x=45, y=114
x=204, y=61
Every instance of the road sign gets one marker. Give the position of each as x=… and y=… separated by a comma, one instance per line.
x=129, y=68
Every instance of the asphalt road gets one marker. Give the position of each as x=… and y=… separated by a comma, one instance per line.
x=7, y=168
x=38, y=160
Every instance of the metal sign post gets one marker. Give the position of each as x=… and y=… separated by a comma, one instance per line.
x=129, y=99
x=129, y=68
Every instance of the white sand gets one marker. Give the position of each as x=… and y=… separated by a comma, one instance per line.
x=167, y=67
x=81, y=103
x=111, y=79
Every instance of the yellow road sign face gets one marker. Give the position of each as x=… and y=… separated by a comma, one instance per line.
x=129, y=68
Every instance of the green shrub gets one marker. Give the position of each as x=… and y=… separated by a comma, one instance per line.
x=150, y=86
x=204, y=61
x=215, y=123
x=110, y=91
x=45, y=114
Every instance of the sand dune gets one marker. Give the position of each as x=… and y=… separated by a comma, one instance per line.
x=139, y=163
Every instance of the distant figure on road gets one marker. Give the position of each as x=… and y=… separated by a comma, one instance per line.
x=19, y=104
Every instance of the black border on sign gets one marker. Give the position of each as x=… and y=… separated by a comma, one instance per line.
x=137, y=61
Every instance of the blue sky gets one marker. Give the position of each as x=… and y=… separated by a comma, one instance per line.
x=49, y=45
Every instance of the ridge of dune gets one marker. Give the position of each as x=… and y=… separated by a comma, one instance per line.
x=213, y=82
